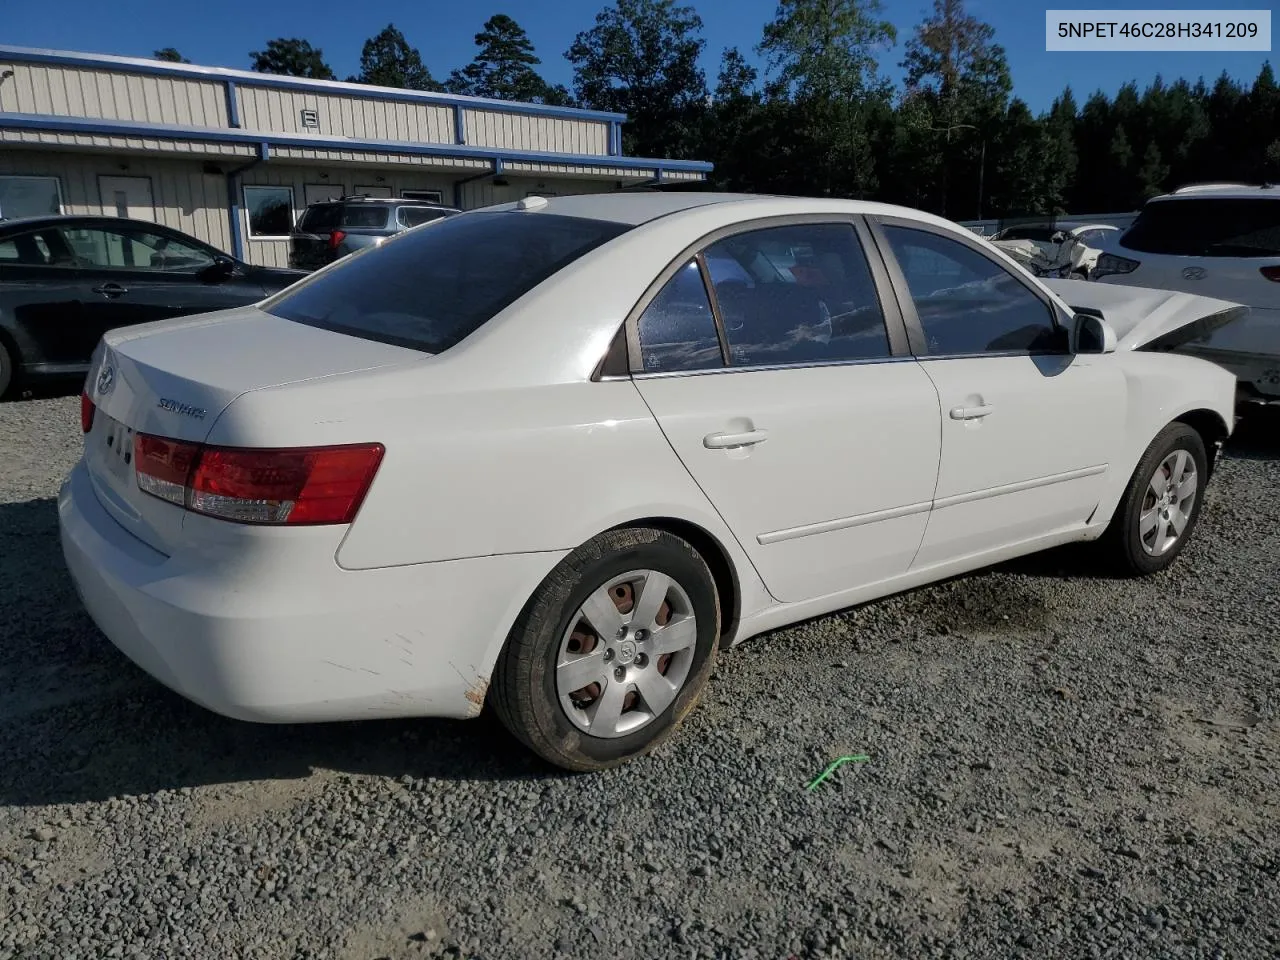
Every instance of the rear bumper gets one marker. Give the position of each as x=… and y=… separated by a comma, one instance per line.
x=264, y=638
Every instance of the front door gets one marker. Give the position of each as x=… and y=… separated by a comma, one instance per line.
x=136, y=274
x=1029, y=430
x=815, y=440
x=127, y=197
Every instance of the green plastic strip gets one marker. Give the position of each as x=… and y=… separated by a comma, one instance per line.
x=831, y=767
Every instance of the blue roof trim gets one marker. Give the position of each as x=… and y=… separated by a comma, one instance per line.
x=120, y=128
x=250, y=78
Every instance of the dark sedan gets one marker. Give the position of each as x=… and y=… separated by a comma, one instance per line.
x=66, y=280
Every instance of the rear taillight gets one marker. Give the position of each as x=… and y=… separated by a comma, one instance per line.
x=1271, y=273
x=335, y=238
x=86, y=412
x=306, y=485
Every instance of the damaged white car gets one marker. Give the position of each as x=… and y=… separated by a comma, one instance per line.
x=623, y=432
x=1048, y=251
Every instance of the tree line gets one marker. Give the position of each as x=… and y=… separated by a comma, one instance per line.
x=824, y=120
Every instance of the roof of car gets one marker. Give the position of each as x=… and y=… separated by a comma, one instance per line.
x=56, y=219
x=1226, y=191
x=638, y=207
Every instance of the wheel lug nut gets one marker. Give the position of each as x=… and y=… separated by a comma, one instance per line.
x=619, y=673
x=608, y=654
x=642, y=661
x=642, y=635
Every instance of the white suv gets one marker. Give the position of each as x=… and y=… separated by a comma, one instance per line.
x=1217, y=240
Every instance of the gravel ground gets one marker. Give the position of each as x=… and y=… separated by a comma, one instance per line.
x=1060, y=766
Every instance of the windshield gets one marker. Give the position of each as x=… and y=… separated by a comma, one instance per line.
x=1208, y=227
x=428, y=289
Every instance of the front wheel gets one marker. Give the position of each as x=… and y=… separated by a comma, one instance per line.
x=612, y=651
x=1158, y=513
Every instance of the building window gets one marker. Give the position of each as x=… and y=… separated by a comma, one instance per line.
x=270, y=211
x=29, y=197
x=430, y=196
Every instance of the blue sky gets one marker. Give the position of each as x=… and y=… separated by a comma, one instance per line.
x=223, y=32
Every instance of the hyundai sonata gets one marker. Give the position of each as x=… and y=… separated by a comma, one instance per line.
x=553, y=455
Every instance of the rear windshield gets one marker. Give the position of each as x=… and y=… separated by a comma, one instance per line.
x=323, y=217
x=1208, y=227
x=428, y=289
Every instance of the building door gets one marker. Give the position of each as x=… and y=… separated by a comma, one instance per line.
x=373, y=191
x=319, y=192
x=127, y=197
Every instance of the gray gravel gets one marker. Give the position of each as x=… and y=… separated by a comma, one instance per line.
x=1061, y=766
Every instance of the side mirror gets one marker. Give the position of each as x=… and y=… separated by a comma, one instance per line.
x=1092, y=334
x=219, y=271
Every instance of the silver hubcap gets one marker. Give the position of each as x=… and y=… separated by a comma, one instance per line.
x=627, y=654
x=1166, y=508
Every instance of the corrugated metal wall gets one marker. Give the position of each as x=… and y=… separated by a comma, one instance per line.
x=489, y=128
x=280, y=111
x=185, y=197
x=74, y=92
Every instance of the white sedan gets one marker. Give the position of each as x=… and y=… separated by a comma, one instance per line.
x=552, y=455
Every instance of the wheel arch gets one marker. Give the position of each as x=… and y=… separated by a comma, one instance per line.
x=712, y=551
x=1212, y=429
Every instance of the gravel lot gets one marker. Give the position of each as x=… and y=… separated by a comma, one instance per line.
x=1061, y=766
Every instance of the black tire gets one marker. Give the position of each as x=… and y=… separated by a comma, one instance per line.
x=1123, y=543
x=524, y=689
x=6, y=371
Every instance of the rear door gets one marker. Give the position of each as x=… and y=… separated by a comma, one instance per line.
x=41, y=294
x=1029, y=431
x=789, y=395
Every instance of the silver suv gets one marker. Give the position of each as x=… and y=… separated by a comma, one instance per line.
x=332, y=229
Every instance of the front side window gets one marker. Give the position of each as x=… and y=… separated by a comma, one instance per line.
x=130, y=249
x=428, y=289
x=678, y=329
x=29, y=197
x=966, y=302
x=797, y=294
x=270, y=210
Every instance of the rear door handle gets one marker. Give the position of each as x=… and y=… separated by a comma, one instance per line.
x=972, y=413
x=111, y=289
x=723, y=441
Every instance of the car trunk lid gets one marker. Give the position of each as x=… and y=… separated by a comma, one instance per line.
x=173, y=378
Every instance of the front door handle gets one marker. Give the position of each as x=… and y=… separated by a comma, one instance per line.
x=111, y=289
x=972, y=413
x=724, y=441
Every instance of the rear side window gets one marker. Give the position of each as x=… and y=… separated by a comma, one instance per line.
x=966, y=302
x=678, y=329
x=797, y=294
x=372, y=217
x=428, y=289
x=1208, y=227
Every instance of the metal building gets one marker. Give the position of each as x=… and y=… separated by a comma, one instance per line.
x=233, y=157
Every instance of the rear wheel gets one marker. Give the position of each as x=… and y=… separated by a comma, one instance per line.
x=1158, y=513
x=6, y=370
x=612, y=651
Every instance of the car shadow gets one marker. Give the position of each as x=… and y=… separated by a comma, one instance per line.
x=79, y=722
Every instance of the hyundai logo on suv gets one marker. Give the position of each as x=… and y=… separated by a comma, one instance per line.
x=1193, y=273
